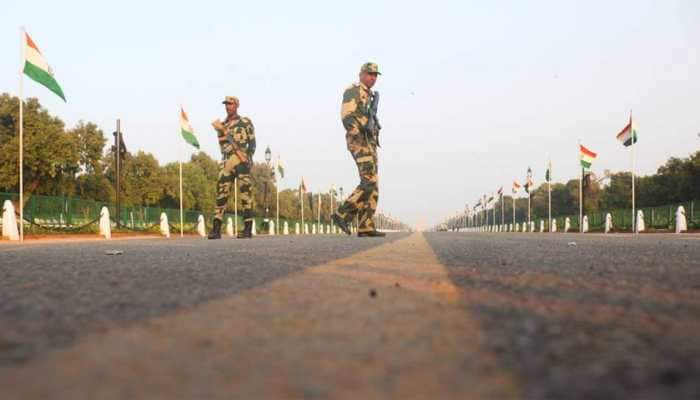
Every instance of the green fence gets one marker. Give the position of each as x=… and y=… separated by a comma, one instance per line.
x=658, y=218
x=46, y=214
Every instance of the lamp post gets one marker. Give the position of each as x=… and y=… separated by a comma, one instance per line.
x=268, y=157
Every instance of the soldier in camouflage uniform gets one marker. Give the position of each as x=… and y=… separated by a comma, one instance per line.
x=237, y=141
x=362, y=144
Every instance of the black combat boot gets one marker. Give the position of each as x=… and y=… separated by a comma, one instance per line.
x=374, y=233
x=215, y=230
x=247, y=232
x=341, y=223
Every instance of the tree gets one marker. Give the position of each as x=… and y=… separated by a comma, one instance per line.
x=50, y=154
x=90, y=145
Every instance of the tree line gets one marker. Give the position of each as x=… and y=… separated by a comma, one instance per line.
x=678, y=180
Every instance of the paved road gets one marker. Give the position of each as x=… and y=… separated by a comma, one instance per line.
x=440, y=315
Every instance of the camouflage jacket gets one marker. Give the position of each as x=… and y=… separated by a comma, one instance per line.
x=355, y=110
x=239, y=131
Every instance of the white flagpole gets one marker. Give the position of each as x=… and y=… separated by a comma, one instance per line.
x=494, y=213
x=277, y=195
x=549, y=193
x=503, y=215
x=634, y=211
x=330, y=213
x=319, y=210
x=514, y=210
x=182, y=221
x=301, y=197
x=580, y=191
x=21, y=135
x=182, y=213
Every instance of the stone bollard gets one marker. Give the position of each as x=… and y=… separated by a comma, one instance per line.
x=105, y=223
x=164, y=225
x=681, y=221
x=229, y=227
x=554, y=226
x=285, y=230
x=271, y=232
x=640, y=221
x=201, y=228
x=567, y=224
x=585, y=224
x=9, y=221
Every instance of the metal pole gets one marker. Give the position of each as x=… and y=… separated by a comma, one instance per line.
x=182, y=213
x=580, y=192
x=117, y=143
x=21, y=136
x=580, y=205
x=529, y=195
x=503, y=215
x=634, y=211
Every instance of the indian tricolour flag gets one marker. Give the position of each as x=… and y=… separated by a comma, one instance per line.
x=36, y=67
x=586, y=156
x=516, y=187
x=628, y=135
x=186, y=129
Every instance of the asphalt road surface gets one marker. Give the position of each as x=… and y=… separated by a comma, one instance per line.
x=435, y=315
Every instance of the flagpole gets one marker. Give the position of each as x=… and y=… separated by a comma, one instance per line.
x=494, y=215
x=319, y=212
x=503, y=215
x=513, y=210
x=580, y=192
x=182, y=214
x=277, y=195
x=549, y=194
x=634, y=211
x=21, y=135
x=301, y=197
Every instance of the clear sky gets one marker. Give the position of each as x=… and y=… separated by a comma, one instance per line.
x=472, y=92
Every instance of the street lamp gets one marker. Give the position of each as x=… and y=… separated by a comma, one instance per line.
x=268, y=157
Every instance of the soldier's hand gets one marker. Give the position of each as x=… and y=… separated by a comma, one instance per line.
x=218, y=125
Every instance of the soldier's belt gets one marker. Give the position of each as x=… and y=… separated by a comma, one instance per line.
x=365, y=159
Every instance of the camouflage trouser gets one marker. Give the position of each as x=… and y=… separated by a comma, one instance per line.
x=363, y=201
x=229, y=170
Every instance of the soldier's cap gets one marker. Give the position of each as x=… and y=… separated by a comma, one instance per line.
x=370, y=68
x=231, y=99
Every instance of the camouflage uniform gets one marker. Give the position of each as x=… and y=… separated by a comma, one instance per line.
x=241, y=132
x=363, y=147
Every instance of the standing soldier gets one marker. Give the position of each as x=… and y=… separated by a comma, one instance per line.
x=358, y=114
x=237, y=141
